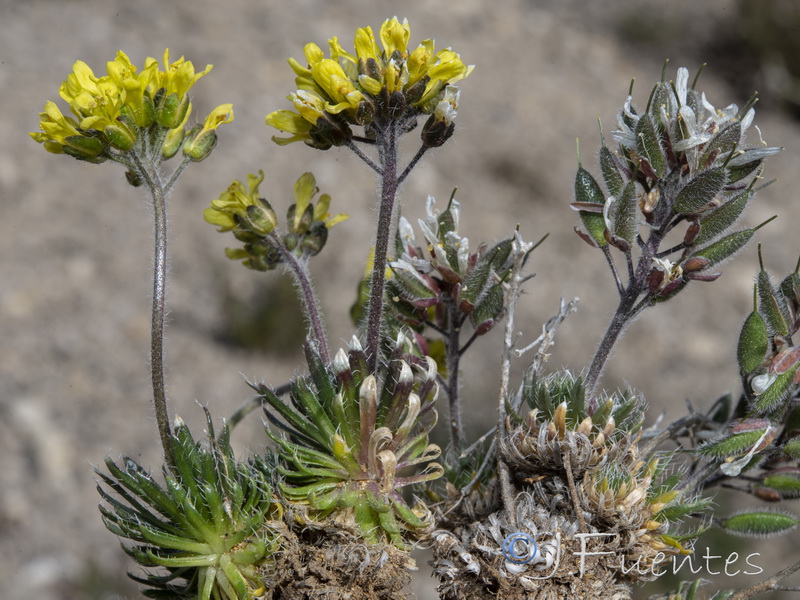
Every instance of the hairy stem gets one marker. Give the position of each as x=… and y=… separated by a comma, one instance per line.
x=618, y=323
x=151, y=177
x=627, y=310
x=302, y=278
x=389, y=185
x=452, y=342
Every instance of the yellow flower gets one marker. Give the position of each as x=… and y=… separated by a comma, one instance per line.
x=123, y=73
x=305, y=188
x=394, y=36
x=176, y=78
x=200, y=141
x=349, y=88
x=55, y=129
x=111, y=110
x=96, y=101
x=234, y=202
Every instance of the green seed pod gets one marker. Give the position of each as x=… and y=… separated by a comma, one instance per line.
x=771, y=301
x=413, y=287
x=649, y=145
x=739, y=172
x=722, y=143
x=759, y=523
x=726, y=247
x=753, y=340
x=588, y=191
x=625, y=220
x=790, y=288
x=611, y=175
x=737, y=444
x=753, y=343
x=716, y=222
x=792, y=449
x=489, y=307
x=788, y=484
x=699, y=192
x=772, y=398
x=475, y=283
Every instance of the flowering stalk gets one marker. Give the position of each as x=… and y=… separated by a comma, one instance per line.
x=153, y=181
x=680, y=164
x=389, y=184
x=137, y=119
x=302, y=278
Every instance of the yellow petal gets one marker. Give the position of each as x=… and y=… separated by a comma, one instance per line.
x=394, y=36
x=304, y=189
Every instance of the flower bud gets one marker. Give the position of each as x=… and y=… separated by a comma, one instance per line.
x=121, y=136
x=261, y=218
x=314, y=240
x=84, y=147
x=435, y=133
x=328, y=131
x=172, y=142
x=170, y=110
x=199, y=143
x=133, y=178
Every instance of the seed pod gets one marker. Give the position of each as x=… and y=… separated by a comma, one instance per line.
x=611, y=175
x=625, y=218
x=753, y=343
x=790, y=288
x=649, y=146
x=772, y=398
x=716, y=222
x=489, y=307
x=759, y=523
x=699, y=192
x=771, y=304
x=587, y=190
x=792, y=448
x=787, y=483
x=726, y=140
x=726, y=247
x=737, y=444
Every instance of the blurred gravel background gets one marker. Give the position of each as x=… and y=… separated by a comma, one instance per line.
x=75, y=239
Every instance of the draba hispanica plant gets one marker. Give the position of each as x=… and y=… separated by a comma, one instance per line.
x=570, y=494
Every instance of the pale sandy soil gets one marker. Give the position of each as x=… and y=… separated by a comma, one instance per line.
x=74, y=239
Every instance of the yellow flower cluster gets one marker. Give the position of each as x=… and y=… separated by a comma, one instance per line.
x=110, y=110
x=250, y=217
x=383, y=80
